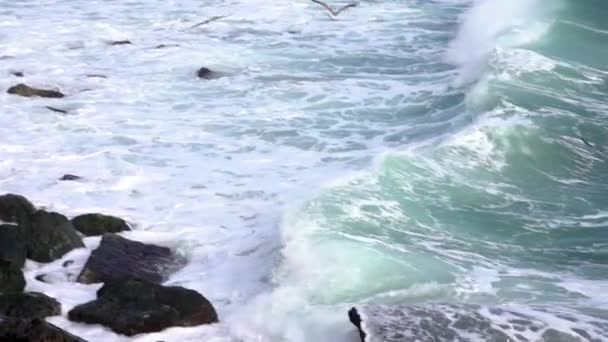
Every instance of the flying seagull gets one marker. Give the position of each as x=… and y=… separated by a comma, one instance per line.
x=334, y=13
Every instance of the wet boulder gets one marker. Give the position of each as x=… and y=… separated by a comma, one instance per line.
x=99, y=224
x=50, y=236
x=133, y=306
x=207, y=74
x=117, y=257
x=27, y=91
x=12, y=245
x=33, y=330
x=15, y=208
x=11, y=278
x=28, y=305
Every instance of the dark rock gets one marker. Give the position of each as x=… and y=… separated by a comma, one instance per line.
x=67, y=263
x=28, y=305
x=117, y=257
x=96, y=76
x=15, y=208
x=27, y=91
x=69, y=177
x=98, y=224
x=355, y=319
x=50, y=236
x=207, y=74
x=17, y=73
x=33, y=330
x=133, y=306
x=12, y=245
x=62, y=111
x=11, y=278
x=120, y=42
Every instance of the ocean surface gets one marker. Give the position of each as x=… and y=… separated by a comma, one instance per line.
x=412, y=151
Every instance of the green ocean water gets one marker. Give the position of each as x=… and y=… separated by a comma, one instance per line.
x=507, y=205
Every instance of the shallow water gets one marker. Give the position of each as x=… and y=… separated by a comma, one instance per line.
x=409, y=152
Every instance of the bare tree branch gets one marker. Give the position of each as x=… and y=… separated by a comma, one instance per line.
x=335, y=13
x=208, y=21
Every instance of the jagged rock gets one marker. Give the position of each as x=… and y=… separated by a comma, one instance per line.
x=27, y=91
x=133, y=306
x=117, y=257
x=28, y=305
x=207, y=74
x=69, y=177
x=50, y=236
x=120, y=42
x=11, y=278
x=12, y=245
x=33, y=330
x=15, y=208
x=99, y=224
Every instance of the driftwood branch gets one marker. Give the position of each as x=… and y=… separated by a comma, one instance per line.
x=335, y=13
x=208, y=21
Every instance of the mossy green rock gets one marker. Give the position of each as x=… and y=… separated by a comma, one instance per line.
x=99, y=224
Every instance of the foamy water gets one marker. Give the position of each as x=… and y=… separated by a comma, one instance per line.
x=315, y=173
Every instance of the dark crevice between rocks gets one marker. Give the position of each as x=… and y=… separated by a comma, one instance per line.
x=355, y=319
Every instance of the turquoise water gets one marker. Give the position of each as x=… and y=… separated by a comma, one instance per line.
x=508, y=208
x=409, y=152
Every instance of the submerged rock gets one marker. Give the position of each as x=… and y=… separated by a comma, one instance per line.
x=12, y=245
x=455, y=323
x=33, y=330
x=133, y=306
x=17, y=73
x=69, y=177
x=99, y=224
x=207, y=74
x=120, y=42
x=50, y=236
x=27, y=91
x=15, y=208
x=117, y=258
x=11, y=278
x=28, y=305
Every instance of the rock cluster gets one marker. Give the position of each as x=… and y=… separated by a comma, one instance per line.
x=132, y=299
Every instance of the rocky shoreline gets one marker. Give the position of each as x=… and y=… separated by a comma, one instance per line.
x=132, y=299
